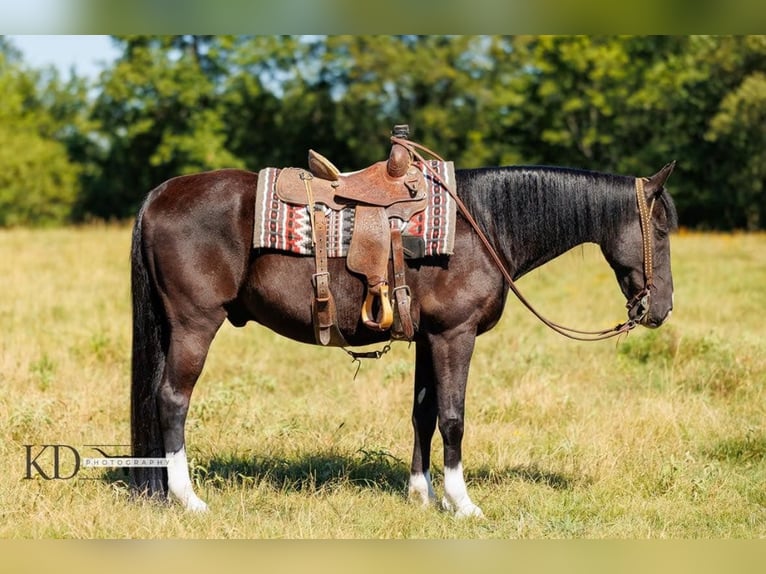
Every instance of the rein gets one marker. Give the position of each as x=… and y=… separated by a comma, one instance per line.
x=640, y=300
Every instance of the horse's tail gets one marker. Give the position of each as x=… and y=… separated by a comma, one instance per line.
x=148, y=362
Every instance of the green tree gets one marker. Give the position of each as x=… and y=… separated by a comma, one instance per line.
x=342, y=95
x=740, y=126
x=738, y=132
x=570, y=99
x=628, y=104
x=631, y=104
x=706, y=103
x=160, y=115
x=436, y=84
x=274, y=109
x=38, y=182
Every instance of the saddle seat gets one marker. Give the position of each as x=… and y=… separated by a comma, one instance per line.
x=384, y=183
x=401, y=196
x=380, y=194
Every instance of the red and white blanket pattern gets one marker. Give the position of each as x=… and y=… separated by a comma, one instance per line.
x=286, y=227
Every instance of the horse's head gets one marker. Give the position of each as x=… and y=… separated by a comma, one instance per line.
x=640, y=253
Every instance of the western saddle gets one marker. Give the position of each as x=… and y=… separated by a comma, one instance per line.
x=381, y=194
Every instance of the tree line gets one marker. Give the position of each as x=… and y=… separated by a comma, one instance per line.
x=76, y=149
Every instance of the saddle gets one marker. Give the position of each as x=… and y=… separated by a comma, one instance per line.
x=384, y=197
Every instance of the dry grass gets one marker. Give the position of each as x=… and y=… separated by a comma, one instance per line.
x=658, y=436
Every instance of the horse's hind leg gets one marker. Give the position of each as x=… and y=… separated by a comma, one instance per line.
x=186, y=356
x=424, y=425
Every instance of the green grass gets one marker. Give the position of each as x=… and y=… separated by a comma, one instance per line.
x=658, y=435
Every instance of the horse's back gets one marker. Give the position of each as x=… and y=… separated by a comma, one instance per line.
x=198, y=194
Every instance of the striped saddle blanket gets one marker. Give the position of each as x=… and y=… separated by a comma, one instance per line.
x=287, y=227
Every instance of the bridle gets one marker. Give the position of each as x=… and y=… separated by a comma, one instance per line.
x=638, y=304
x=641, y=300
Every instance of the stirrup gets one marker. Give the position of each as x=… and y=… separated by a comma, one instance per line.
x=385, y=307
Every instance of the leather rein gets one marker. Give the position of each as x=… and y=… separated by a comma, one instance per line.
x=640, y=301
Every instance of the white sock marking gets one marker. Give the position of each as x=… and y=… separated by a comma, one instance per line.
x=421, y=489
x=456, y=497
x=179, y=483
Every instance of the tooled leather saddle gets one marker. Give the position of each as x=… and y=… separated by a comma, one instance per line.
x=384, y=196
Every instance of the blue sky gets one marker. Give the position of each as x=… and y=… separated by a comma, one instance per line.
x=87, y=54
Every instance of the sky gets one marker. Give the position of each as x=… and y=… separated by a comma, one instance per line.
x=87, y=54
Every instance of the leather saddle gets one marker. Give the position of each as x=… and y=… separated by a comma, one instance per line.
x=384, y=197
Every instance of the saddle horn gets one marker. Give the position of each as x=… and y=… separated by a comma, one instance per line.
x=399, y=159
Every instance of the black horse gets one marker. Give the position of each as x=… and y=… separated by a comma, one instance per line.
x=193, y=266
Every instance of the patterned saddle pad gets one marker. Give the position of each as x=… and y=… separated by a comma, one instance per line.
x=286, y=227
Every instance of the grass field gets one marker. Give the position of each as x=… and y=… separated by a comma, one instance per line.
x=659, y=435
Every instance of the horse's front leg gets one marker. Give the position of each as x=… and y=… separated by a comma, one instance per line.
x=449, y=355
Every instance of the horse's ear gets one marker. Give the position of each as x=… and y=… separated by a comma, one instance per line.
x=654, y=183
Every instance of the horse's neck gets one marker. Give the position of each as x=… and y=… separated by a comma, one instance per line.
x=533, y=214
x=556, y=218
x=536, y=249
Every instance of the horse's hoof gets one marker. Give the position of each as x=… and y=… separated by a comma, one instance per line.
x=195, y=505
x=417, y=498
x=420, y=491
x=466, y=509
x=469, y=511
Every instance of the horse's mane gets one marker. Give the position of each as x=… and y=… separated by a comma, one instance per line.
x=554, y=205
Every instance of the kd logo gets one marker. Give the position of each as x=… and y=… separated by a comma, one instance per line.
x=49, y=462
